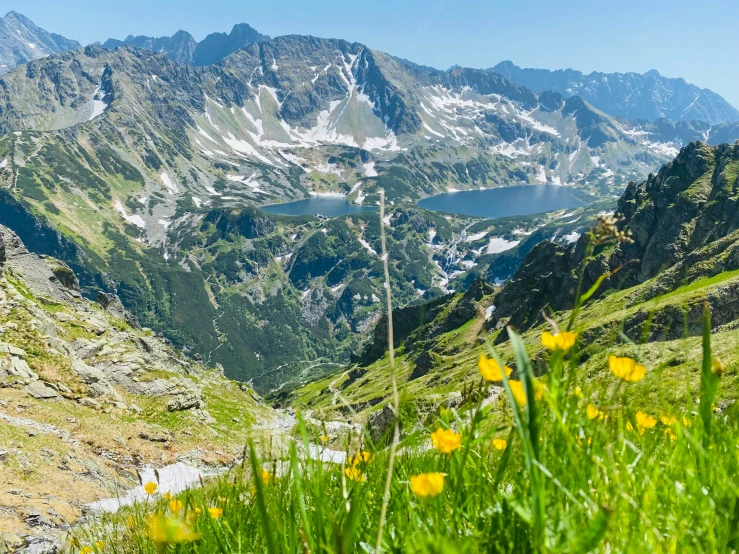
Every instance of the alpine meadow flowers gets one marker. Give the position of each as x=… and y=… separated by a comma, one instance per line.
x=626, y=369
x=446, y=441
x=427, y=485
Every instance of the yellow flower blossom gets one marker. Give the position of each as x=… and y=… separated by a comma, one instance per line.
x=500, y=444
x=167, y=495
x=265, y=476
x=86, y=550
x=687, y=422
x=130, y=522
x=594, y=412
x=670, y=433
x=645, y=420
x=427, y=485
x=170, y=530
x=563, y=340
x=626, y=369
x=175, y=505
x=355, y=474
x=668, y=420
x=629, y=426
x=490, y=369
x=215, y=512
x=446, y=441
x=100, y=544
x=519, y=392
x=362, y=457
x=324, y=439
x=578, y=391
x=150, y=488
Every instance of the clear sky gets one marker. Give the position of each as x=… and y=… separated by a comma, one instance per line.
x=679, y=38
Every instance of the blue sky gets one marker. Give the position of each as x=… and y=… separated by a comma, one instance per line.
x=680, y=38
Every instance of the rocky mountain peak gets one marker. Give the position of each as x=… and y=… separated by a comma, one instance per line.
x=22, y=41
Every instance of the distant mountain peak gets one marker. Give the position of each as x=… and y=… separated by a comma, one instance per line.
x=182, y=48
x=647, y=96
x=22, y=41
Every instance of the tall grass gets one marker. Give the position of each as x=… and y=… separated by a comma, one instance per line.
x=579, y=466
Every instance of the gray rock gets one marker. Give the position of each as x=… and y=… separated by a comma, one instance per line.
x=381, y=423
x=40, y=391
x=89, y=402
x=185, y=402
x=87, y=373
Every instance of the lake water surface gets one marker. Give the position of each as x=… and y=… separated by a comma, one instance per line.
x=504, y=201
x=490, y=203
x=326, y=206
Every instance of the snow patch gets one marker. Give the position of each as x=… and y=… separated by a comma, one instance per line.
x=136, y=220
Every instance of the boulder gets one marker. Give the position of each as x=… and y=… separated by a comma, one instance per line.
x=40, y=391
x=185, y=402
x=380, y=425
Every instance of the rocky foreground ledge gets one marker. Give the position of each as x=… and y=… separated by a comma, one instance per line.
x=88, y=399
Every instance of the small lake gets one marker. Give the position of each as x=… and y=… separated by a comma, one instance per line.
x=326, y=206
x=504, y=201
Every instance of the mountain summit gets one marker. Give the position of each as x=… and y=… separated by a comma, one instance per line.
x=22, y=41
x=631, y=95
x=183, y=48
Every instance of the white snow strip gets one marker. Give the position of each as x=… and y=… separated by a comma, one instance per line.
x=369, y=169
x=499, y=244
x=171, y=187
x=174, y=479
x=133, y=219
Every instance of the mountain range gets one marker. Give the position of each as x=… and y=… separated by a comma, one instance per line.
x=183, y=48
x=647, y=96
x=144, y=173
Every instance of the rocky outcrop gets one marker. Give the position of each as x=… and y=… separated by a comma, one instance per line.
x=683, y=222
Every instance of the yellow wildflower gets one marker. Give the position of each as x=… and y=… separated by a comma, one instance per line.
x=500, y=444
x=645, y=420
x=687, y=422
x=266, y=476
x=490, y=369
x=626, y=369
x=150, y=488
x=669, y=432
x=355, y=474
x=668, y=420
x=587, y=441
x=594, y=412
x=167, y=495
x=578, y=391
x=629, y=426
x=427, y=485
x=130, y=522
x=446, y=441
x=563, y=340
x=215, y=512
x=324, y=438
x=170, y=530
x=100, y=544
x=362, y=457
x=175, y=505
x=519, y=392
x=86, y=550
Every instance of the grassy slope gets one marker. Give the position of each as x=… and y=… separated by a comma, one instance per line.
x=566, y=481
